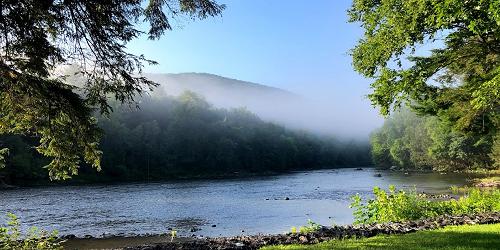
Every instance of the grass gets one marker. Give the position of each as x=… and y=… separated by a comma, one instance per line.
x=452, y=237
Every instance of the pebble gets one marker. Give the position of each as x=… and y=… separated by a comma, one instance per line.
x=326, y=233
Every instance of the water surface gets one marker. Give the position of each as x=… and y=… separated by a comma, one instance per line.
x=235, y=206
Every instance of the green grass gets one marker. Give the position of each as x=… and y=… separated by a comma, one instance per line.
x=452, y=237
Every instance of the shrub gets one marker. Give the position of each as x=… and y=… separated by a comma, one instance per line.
x=400, y=205
x=10, y=237
x=310, y=227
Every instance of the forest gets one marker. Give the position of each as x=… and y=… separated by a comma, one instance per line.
x=187, y=137
x=424, y=142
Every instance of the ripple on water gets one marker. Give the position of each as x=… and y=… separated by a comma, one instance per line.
x=253, y=205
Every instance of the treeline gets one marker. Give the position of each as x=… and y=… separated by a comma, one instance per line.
x=187, y=137
x=425, y=142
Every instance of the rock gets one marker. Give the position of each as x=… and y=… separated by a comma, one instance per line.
x=325, y=233
x=303, y=239
x=194, y=229
x=286, y=198
x=488, y=184
x=69, y=236
x=267, y=199
x=214, y=225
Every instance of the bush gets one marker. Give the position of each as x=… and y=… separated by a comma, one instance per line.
x=399, y=205
x=310, y=227
x=10, y=237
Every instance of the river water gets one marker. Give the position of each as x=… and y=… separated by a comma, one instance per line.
x=216, y=207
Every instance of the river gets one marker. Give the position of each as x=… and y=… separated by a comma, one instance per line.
x=271, y=204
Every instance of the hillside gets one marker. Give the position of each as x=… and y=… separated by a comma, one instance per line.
x=272, y=104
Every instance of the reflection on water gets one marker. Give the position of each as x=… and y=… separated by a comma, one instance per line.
x=235, y=206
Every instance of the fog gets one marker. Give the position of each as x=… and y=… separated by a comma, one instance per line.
x=319, y=111
x=293, y=110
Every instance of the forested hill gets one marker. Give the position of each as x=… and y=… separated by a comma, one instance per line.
x=269, y=103
x=221, y=91
x=185, y=136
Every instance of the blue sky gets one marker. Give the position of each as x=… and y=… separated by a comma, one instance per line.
x=298, y=45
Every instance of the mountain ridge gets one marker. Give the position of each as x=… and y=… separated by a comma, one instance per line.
x=234, y=80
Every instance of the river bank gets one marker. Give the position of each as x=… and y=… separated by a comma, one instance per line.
x=158, y=242
x=471, y=237
x=253, y=205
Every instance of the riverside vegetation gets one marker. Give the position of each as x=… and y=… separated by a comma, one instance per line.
x=11, y=237
x=403, y=206
x=399, y=205
x=185, y=136
x=451, y=237
x=413, y=142
x=386, y=207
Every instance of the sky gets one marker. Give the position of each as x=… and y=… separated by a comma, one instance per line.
x=298, y=45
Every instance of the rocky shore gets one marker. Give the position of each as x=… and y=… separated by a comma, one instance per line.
x=324, y=234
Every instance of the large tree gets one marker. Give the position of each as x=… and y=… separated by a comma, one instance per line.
x=457, y=80
x=36, y=36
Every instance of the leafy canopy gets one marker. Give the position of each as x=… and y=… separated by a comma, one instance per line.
x=414, y=142
x=459, y=78
x=37, y=36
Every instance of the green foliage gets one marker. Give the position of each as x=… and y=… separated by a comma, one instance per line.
x=399, y=205
x=173, y=235
x=11, y=238
x=458, y=80
x=4, y=152
x=186, y=137
x=395, y=28
x=310, y=227
x=417, y=142
x=495, y=151
x=36, y=101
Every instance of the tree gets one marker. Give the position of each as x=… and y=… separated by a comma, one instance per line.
x=421, y=142
x=186, y=136
x=459, y=79
x=38, y=36
x=468, y=61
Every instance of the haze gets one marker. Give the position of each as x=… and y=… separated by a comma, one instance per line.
x=297, y=47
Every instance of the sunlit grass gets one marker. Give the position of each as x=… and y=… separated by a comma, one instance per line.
x=452, y=237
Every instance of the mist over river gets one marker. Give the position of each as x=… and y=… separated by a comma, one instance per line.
x=214, y=207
